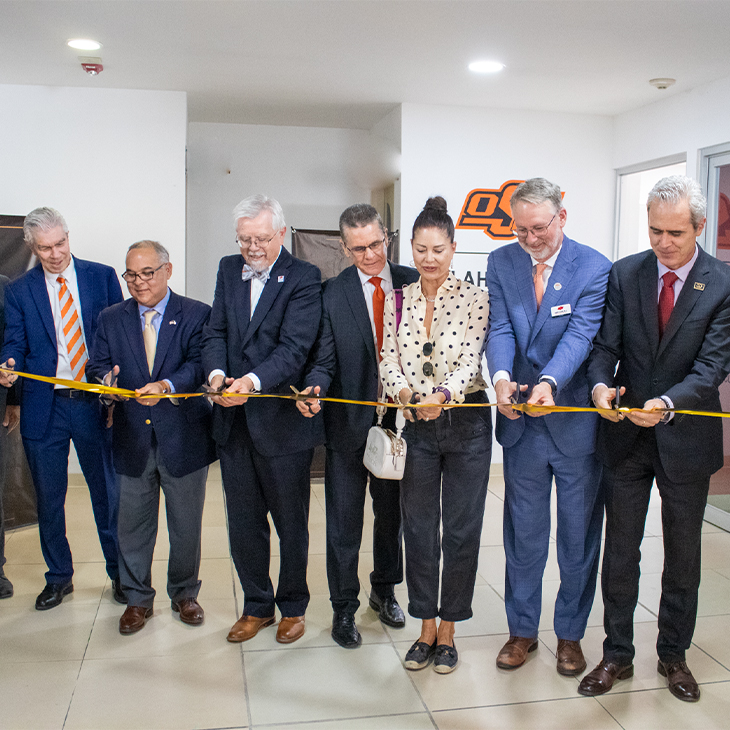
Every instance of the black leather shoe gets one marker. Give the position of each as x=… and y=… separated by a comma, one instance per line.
x=344, y=631
x=52, y=595
x=389, y=612
x=6, y=587
x=602, y=678
x=680, y=681
x=119, y=595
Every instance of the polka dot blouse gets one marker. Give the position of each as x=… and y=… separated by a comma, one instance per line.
x=458, y=330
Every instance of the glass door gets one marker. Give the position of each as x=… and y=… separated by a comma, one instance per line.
x=716, y=182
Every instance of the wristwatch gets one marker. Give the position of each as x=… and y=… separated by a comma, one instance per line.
x=445, y=391
x=551, y=382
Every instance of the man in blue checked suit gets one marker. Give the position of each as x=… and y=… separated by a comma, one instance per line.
x=546, y=300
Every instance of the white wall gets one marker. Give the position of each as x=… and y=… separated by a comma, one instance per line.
x=450, y=151
x=112, y=161
x=315, y=173
x=686, y=123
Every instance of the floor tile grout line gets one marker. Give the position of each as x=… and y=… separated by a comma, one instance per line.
x=83, y=658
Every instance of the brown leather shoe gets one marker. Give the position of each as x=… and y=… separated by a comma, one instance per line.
x=191, y=612
x=680, y=680
x=133, y=619
x=290, y=629
x=570, y=658
x=247, y=627
x=601, y=679
x=514, y=653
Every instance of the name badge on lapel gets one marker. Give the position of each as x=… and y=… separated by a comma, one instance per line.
x=280, y=279
x=560, y=310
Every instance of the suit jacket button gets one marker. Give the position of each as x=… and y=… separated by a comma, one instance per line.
x=148, y=421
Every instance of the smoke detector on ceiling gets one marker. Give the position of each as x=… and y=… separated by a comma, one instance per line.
x=662, y=83
x=91, y=64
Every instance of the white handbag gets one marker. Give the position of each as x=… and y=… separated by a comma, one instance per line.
x=385, y=451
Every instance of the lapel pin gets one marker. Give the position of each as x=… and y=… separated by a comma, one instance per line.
x=280, y=279
x=699, y=286
x=172, y=321
x=557, y=286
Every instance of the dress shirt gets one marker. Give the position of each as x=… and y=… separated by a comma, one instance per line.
x=63, y=367
x=386, y=284
x=682, y=273
x=458, y=329
x=257, y=288
x=157, y=321
x=549, y=266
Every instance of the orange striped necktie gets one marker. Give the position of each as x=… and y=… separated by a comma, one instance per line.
x=72, y=332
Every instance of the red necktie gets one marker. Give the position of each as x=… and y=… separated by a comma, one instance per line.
x=666, y=300
x=539, y=283
x=378, y=306
x=72, y=332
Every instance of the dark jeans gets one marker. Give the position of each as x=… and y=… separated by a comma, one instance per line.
x=444, y=489
x=628, y=487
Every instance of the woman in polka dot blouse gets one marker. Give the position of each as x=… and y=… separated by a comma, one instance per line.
x=432, y=353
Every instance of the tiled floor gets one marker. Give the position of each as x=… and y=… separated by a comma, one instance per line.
x=70, y=668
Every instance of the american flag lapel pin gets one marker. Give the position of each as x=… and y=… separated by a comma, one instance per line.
x=281, y=278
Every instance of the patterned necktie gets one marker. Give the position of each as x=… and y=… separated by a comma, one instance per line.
x=539, y=283
x=666, y=300
x=150, y=338
x=378, y=306
x=72, y=332
x=249, y=273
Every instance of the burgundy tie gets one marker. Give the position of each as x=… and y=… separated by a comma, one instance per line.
x=666, y=300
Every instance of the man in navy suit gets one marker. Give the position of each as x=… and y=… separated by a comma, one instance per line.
x=667, y=327
x=151, y=343
x=345, y=365
x=546, y=299
x=264, y=322
x=50, y=315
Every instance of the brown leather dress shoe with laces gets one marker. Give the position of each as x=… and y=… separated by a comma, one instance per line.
x=514, y=653
x=290, y=629
x=570, y=658
x=601, y=679
x=247, y=627
x=191, y=612
x=133, y=619
x=680, y=680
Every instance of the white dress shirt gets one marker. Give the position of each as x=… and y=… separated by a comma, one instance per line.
x=386, y=285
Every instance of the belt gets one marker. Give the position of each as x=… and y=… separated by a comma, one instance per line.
x=75, y=394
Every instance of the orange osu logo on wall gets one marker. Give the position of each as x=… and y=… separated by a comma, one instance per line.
x=490, y=211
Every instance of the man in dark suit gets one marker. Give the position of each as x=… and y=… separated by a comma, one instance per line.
x=151, y=343
x=546, y=299
x=264, y=322
x=667, y=326
x=9, y=416
x=50, y=315
x=345, y=365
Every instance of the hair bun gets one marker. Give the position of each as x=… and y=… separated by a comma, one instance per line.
x=437, y=203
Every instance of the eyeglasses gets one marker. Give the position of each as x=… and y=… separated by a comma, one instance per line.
x=260, y=242
x=145, y=275
x=537, y=231
x=360, y=250
x=427, y=366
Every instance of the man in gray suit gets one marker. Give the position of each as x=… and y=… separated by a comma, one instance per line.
x=10, y=416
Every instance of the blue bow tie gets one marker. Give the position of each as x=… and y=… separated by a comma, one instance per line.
x=249, y=273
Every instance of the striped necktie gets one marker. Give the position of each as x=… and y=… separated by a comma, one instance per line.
x=72, y=332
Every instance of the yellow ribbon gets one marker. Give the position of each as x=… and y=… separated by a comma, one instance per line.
x=297, y=395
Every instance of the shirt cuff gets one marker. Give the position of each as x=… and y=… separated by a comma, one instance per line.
x=255, y=380
x=215, y=372
x=169, y=383
x=501, y=375
x=667, y=417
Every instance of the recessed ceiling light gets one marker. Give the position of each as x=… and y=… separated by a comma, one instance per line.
x=84, y=44
x=485, y=67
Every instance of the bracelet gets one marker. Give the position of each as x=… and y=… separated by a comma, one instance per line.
x=445, y=391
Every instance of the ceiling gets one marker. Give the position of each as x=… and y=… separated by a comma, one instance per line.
x=347, y=63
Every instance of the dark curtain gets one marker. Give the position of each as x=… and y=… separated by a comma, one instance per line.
x=18, y=495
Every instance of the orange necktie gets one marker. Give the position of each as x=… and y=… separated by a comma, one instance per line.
x=539, y=283
x=72, y=332
x=378, y=306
